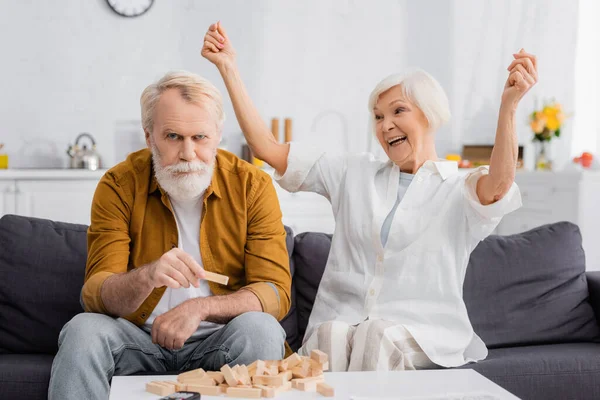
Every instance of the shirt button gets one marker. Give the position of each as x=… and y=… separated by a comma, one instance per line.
x=372, y=292
x=419, y=179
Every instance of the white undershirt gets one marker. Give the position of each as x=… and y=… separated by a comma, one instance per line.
x=187, y=216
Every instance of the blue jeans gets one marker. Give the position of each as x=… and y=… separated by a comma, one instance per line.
x=95, y=347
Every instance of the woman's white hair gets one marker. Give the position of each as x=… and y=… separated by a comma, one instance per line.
x=193, y=88
x=421, y=89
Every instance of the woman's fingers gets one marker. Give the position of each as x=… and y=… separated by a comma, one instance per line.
x=216, y=35
x=214, y=41
x=527, y=77
x=221, y=30
x=525, y=62
x=211, y=46
x=522, y=53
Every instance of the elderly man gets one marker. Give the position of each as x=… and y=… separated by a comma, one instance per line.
x=161, y=219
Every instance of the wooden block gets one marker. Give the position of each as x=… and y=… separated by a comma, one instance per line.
x=260, y=367
x=251, y=393
x=319, y=356
x=251, y=372
x=206, y=381
x=217, y=278
x=196, y=373
x=159, y=389
x=283, y=388
x=269, y=380
x=325, y=389
x=307, y=386
x=293, y=360
x=272, y=370
x=254, y=364
x=181, y=387
x=287, y=375
x=296, y=382
x=229, y=375
x=267, y=391
x=283, y=366
x=246, y=375
x=223, y=387
x=238, y=375
x=205, y=390
x=325, y=366
x=299, y=372
x=217, y=376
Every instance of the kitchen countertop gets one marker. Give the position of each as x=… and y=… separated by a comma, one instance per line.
x=50, y=173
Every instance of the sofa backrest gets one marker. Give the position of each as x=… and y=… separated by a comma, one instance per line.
x=528, y=288
x=42, y=265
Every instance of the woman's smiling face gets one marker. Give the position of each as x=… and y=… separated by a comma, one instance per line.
x=400, y=126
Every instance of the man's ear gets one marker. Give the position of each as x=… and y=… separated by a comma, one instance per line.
x=147, y=138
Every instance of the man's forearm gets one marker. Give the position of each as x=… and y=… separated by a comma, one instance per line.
x=222, y=309
x=122, y=294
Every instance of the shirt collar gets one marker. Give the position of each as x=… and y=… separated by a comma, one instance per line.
x=443, y=167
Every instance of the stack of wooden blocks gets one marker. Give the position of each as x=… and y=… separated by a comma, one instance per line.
x=259, y=379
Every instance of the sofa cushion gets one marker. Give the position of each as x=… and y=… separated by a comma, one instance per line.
x=311, y=251
x=558, y=371
x=25, y=376
x=42, y=265
x=530, y=288
x=290, y=321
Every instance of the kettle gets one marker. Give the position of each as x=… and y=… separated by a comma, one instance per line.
x=84, y=158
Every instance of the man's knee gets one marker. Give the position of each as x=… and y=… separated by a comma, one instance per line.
x=85, y=329
x=260, y=337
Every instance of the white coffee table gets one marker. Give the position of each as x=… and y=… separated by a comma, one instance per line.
x=401, y=385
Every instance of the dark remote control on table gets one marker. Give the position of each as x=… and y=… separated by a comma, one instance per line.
x=182, y=396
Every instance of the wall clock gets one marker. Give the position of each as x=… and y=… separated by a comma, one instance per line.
x=130, y=8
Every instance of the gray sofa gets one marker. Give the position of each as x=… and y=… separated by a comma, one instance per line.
x=528, y=296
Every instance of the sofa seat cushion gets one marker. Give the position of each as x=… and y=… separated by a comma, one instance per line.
x=25, y=376
x=557, y=371
x=530, y=288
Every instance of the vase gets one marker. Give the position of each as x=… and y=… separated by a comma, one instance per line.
x=542, y=158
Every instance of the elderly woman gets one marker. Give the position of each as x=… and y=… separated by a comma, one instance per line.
x=391, y=294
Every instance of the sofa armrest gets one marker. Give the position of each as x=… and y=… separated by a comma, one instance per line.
x=593, y=279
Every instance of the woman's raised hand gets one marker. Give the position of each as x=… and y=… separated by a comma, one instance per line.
x=217, y=47
x=522, y=76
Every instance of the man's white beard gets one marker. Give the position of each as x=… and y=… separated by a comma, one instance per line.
x=184, y=187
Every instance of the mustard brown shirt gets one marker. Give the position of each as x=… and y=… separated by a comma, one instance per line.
x=241, y=233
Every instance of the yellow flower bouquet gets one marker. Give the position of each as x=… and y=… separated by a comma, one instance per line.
x=546, y=123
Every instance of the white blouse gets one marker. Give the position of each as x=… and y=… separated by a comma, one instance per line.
x=417, y=278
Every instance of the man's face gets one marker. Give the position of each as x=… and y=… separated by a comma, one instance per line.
x=184, y=144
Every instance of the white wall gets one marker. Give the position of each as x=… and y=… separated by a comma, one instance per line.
x=70, y=66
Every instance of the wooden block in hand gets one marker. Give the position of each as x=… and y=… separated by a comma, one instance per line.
x=229, y=375
x=251, y=393
x=217, y=278
x=293, y=360
x=205, y=390
x=325, y=390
